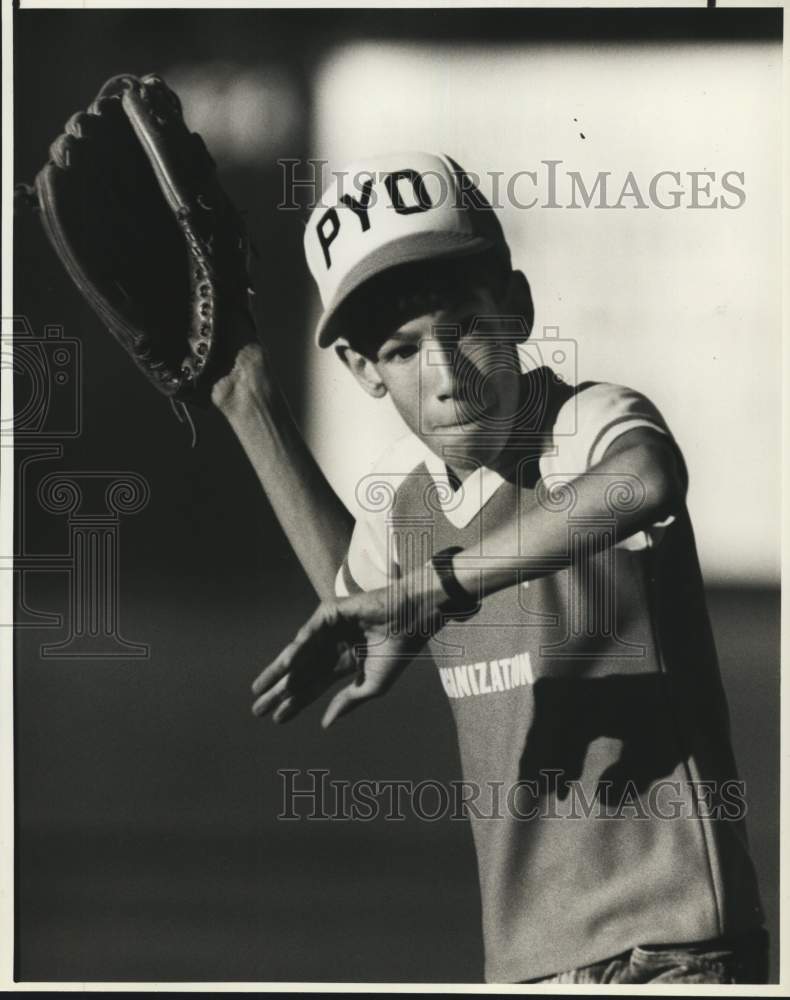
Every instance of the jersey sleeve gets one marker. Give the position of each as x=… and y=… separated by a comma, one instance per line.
x=600, y=414
x=372, y=558
x=369, y=563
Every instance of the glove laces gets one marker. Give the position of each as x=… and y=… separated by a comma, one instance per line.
x=183, y=415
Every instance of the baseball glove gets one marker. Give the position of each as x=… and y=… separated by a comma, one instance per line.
x=131, y=202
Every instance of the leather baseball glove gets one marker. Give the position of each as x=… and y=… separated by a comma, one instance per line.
x=131, y=202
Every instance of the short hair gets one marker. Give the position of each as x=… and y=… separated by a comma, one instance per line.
x=384, y=303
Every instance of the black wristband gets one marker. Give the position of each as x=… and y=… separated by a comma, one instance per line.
x=459, y=602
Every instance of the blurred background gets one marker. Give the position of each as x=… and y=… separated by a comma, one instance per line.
x=148, y=845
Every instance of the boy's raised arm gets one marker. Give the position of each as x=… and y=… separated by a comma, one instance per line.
x=392, y=624
x=314, y=519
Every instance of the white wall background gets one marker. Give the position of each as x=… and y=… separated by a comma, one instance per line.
x=684, y=305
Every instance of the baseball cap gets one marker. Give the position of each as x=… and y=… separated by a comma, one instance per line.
x=385, y=211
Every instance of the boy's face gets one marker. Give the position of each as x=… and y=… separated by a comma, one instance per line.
x=457, y=390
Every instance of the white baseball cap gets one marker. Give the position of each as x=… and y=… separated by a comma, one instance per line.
x=390, y=210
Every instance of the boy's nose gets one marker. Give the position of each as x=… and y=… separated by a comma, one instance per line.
x=455, y=372
x=442, y=370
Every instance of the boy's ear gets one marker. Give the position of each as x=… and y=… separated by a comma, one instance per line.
x=518, y=298
x=362, y=368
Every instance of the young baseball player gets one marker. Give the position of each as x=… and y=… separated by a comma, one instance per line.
x=533, y=535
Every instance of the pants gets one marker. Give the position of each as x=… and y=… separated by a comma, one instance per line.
x=738, y=960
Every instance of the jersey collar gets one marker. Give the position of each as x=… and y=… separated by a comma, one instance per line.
x=476, y=490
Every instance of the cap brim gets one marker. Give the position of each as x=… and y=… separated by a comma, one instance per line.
x=408, y=250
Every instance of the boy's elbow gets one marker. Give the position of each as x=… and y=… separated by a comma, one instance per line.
x=659, y=471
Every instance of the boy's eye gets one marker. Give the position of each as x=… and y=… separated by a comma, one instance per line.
x=466, y=325
x=401, y=353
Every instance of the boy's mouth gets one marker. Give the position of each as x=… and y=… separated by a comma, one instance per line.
x=459, y=425
x=476, y=419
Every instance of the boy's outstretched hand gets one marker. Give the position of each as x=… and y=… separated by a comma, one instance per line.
x=374, y=634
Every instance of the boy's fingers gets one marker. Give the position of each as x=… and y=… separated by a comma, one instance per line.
x=289, y=659
x=274, y=671
x=298, y=691
x=271, y=698
x=287, y=709
x=294, y=654
x=345, y=700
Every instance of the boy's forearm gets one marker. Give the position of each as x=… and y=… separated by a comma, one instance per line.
x=543, y=532
x=313, y=517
